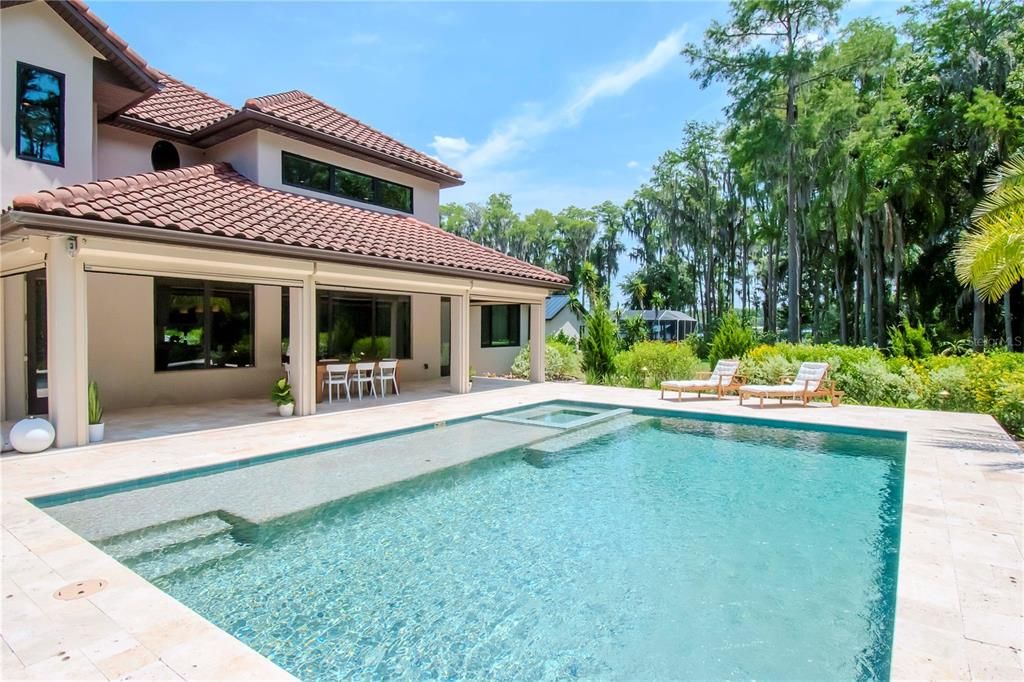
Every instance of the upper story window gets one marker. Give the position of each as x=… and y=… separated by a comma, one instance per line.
x=40, y=118
x=299, y=171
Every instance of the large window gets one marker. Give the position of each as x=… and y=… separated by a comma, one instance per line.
x=299, y=171
x=353, y=326
x=40, y=117
x=499, y=326
x=200, y=325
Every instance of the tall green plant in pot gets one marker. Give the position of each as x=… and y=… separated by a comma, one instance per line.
x=96, y=428
x=281, y=394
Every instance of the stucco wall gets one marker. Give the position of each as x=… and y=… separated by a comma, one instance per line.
x=257, y=155
x=121, y=348
x=426, y=339
x=14, y=347
x=241, y=152
x=565, y=321
x=124, y=152
x=34, y=34
x=495, y=360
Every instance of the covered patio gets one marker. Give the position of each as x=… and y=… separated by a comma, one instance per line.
x=89, y=304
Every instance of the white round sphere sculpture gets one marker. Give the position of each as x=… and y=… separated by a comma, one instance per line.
x=33, y=434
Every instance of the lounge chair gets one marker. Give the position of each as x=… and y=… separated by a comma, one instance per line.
x=720, y=381
x=810, y=382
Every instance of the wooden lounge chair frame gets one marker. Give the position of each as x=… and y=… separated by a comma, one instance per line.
x=826, y=389
x=719, y=389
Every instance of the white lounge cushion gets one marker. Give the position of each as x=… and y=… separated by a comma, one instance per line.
x=723, y=374
x=809, y=378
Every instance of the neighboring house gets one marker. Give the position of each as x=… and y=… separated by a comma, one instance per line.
x=560, y=317
x=666, y=325
x=176, y=249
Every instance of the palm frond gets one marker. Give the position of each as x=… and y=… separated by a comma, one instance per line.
x=990, y=258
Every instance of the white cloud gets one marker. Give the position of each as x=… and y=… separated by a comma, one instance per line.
x=518, y=132
x=632, y=164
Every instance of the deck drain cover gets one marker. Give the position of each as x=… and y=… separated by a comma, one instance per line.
x=80, y=589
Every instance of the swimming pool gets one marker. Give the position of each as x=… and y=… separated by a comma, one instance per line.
x=643, y=546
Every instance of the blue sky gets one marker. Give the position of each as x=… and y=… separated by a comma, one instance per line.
x=556, y=104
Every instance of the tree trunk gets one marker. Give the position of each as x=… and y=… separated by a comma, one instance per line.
x=879, y=272
x=1007, y=321
x=979, y=322
x=793, y=242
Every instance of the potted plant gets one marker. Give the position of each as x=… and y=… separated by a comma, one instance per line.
x=95, y=414
x=282, y=397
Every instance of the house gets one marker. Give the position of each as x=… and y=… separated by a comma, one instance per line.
x=666, y=325
x=560, y=317
x=176, y=249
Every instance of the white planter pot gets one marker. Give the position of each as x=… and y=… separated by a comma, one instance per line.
x=33, y=434
x=286, y=410
x=95, y=433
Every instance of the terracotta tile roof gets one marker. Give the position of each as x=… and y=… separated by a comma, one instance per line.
x=307, y=111
x=179, y=106
x=213, y=199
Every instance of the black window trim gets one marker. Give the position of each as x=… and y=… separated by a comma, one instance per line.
x=331, y=184
x=21, y=67
x=207, y=286
x=487, y=319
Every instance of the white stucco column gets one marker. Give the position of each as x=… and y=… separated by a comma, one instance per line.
x=67, y=342
x=302, y=345
x=537, y=343
x=460, y=345
x=3, y=355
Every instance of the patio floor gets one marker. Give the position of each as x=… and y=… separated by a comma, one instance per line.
x=165, y=420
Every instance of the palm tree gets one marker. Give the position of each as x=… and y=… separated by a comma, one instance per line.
x=635, y=289
x=588, y=279
x=657, y=302
x=990, y=257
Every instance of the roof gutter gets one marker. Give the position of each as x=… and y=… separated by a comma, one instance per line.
x=129, y=123
x=15, y=221
x=243, y=115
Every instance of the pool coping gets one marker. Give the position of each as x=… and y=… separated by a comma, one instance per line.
x=959, y=611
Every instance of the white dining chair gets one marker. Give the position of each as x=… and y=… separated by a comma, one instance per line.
x=364, y=375
x=336, y=375
x=387, y=371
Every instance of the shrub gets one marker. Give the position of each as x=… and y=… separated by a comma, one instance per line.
x=648, y=363
x=561, y=361
x=732, y=340
x=634, y=330
x=908, y=341
x=599, y=344
x=563, y=338
x=989, y=383
x=371, y=347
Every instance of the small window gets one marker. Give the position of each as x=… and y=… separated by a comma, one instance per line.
x=201, y=325
x=40, y=116
x=299, y=171
x=499, y=326
x=165, y=156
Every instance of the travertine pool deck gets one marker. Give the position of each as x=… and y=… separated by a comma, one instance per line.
x=960, y=603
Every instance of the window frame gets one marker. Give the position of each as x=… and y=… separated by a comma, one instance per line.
x=207, y=286
x=21, y=68
x=487, y=322
x=375, y=183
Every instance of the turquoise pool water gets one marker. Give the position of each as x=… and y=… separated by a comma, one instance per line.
x=668, y=549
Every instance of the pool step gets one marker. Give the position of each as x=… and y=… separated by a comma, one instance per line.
x=136, y=543
x=574, y=438
x=158, y=551
x=187, y=556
